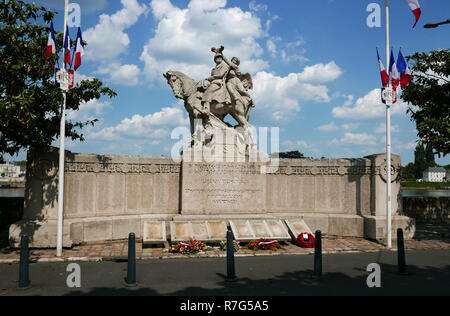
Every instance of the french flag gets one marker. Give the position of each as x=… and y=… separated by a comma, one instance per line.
x=403, y=69
x=415, y=7
x=79, y=50
x=67, y=47
x=51, y=44
x=394, y=72
x=384, y=75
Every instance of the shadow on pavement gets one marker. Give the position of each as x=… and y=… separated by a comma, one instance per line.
x=418, y=281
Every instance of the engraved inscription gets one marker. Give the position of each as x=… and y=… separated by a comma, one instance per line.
x=121, y=167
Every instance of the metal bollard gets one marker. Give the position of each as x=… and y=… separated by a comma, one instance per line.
x=318, y=254
x=401, y=252
x=24, y=280
x=231, y=273
x=130, y=280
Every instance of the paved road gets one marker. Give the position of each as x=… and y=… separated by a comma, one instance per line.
x=343, y=274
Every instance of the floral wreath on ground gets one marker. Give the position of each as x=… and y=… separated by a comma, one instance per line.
x=189, y=247
x=236, y=246
x=263, y=244
x=306, y=240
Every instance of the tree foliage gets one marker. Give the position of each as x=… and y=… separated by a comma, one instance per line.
x=291, y=155
x=30, y=103
x=429, y=98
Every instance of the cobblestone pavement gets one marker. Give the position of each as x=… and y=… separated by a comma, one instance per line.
x=119, y=250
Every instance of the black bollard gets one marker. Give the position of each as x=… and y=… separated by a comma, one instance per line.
x=401, y=252
x=24, y=280
x=318, y=254
x=130, y=280
x=231, y=273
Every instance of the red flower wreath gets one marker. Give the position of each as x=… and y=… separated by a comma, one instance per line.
x=306, y=240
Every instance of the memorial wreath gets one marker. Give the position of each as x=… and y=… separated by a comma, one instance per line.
x=264, y=244
x=189, y=247
x=306, y=240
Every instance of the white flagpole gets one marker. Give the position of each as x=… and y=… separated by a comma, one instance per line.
x=388, y=142
x=59, y=239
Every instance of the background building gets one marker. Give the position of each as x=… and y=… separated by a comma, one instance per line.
x=11, y=170
x=434, y=174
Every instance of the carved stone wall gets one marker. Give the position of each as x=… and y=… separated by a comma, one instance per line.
x=108, y=196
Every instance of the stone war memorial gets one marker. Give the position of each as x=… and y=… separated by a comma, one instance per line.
x=221, y=179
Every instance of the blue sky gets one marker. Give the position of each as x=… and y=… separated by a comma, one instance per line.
x=313, y=64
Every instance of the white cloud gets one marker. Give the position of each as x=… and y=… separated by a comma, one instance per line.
x=368, y=107
x=108, y=39
x=289, y=145
x=127, y=75
x=355, y=139
x=282, y=95
x=257, y=7
x=153, y=126
x=183, y=38
x=382, y=128
x=332, y=127
x=88, y=110
x=321, y=73
x=271, y=47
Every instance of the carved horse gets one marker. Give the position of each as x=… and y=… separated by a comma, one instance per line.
x=191, y=92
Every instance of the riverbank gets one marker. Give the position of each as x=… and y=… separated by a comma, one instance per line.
x=413, y=185
x=7, y=183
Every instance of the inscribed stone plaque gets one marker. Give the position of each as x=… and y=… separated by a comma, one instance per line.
x=205, y=231
x=181, y=231
x=154, y=232
x=296, y=227
x=222, y=188
x=246, y=230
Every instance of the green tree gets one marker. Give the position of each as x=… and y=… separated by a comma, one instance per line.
x=30, y=103
x=429, y=98
x=420, y=163
x=408, y=172
x=291, y=155
x=429, y=156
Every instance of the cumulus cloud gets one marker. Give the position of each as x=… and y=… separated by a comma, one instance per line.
x=321, y=73
x=332, y=127
x=127, y=75
x=355, y=139
x=382, y=128
x=283, y=94
x=152, y=126
x=108, y=39
x=183, y=38
x=88, y=110
x=368, y=107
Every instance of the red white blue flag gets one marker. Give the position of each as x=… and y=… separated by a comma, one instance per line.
x=384, y=75
x=403, y=69
x=415, y=7
x=393, y=72
x=51, y=43
x=67, y=47
x=79, y=50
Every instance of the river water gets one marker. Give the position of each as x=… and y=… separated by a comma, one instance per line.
x=405, y=193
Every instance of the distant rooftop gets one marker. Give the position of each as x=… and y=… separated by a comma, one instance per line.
x=435, y=169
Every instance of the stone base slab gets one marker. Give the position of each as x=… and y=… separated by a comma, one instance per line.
x=375, y=227
x=105, y=229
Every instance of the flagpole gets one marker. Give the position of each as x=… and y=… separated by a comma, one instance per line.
x=59, y=239
x=388, y=142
